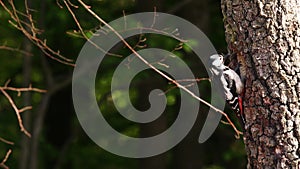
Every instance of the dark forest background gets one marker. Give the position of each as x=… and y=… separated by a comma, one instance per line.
x=58, y=141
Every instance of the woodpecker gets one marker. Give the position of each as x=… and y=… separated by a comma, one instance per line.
x=232, y=84
x=234, y=93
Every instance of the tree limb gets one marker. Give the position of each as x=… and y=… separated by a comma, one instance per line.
x=2, y=164
x=88, y=8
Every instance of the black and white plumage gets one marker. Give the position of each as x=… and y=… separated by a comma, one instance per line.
x=232, y=86
x=234, y=93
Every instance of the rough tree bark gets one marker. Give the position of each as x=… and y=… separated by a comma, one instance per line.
x=265, y=35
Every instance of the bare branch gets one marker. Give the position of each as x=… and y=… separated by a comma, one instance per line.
x=15, y=50
x=75, y=6
x=188, y=85
x=88, y=8
x=32, y=32
x=11, y=101
x=17, y=111
x=25, y=109
x=19, y=90
x=193, y=80
x=6, y=141
x=58, y=4
x=82, y=32
x=154, y=18
x=2, y=164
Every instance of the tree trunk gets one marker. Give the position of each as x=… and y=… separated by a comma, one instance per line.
x=265, y=35
x=155, y=127
x=26, y=73
x=25, y=141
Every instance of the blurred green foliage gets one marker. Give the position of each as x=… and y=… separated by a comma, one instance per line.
x=63, y=143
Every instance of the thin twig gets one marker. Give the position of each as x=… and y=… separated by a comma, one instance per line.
x=193, y=80
x=83, y=34
x=2, y=164
x=19, y=90
x=58, y=4
x=6, y=141
x=25, y=109
x=188, y=85
x=155, y=69
x=175, y=87
x=17, y=111
x=41, y=44
x=15, y=50
x=23, y=89
x=154, y=18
